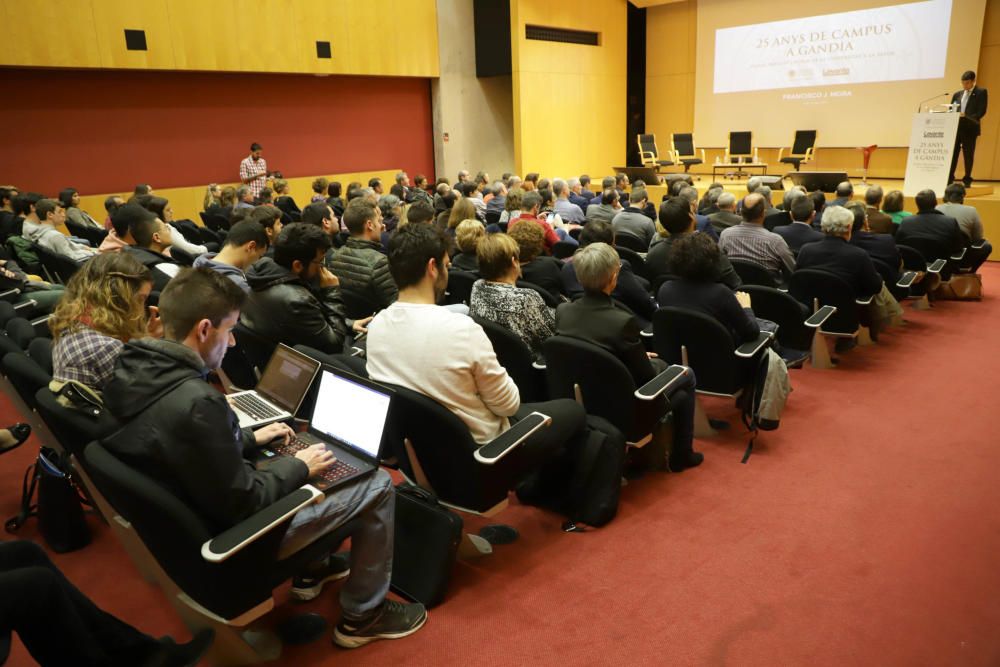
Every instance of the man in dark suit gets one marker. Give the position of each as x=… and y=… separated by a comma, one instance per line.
x=834, y=254
x=879, y=247
x=595, y=318
x=879, y=222
x=845, y=193
x=726, y=215
x=801, y=231
x=971, y=101
x=935, y=234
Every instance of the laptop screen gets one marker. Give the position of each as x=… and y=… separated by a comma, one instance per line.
x=350, y=412
x=287, y=377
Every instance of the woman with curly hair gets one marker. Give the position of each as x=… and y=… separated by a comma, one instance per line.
x=104, y=308
x=320, y=187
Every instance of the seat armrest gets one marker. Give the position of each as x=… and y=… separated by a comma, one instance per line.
x=817, y=319
x=10, y=295
x=747, y=350
x=506, y=442
x=936, y=266
x=866, y=301
x=538, y=366
x=906, y=279
x=781, y=153
x=662, y=383
x=29, y=303
x=647, y=332
x=959, y=255
x=246, y=532
x=978, y=245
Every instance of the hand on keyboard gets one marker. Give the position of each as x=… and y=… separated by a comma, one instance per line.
x=274, y=435
x=317, y=457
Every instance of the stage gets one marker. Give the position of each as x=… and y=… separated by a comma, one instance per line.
x=985, y=197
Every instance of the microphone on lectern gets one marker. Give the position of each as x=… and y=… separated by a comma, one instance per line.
x=931, y=98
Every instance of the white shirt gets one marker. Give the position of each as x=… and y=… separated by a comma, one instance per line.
x=446, y=356
x=965, y=100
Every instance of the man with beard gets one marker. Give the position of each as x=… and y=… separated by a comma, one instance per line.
x=294, y=298
x=447, y=356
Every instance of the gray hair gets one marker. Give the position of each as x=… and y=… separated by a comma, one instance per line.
x=401, y=176
x=558, y=187
x=595, y=264
x=873, y=195
x=792, y=194
x=713, y=194
x=463, y=172
x=573, y=182
x=513, y=182
x=498, y=187
x=242, y=192
x=726, y=200
x=388, y=202
x=688, y=193
x=607, y=182
x=765, y=192
x=837, y=221
x=753, y=183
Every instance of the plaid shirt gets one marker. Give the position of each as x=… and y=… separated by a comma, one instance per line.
x=755, y=244
x=250, y=168
x=85, y=356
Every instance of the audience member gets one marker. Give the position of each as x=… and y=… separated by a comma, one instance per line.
x=7, y=215
x=595, y=318
x=294, y=298
x=462, y=209
x=376, y=185
x=401, y=187
x=245, y=197
x=845, y=192
x=530, y=182
x=536, y=268
x=320, y=214
x=170, y=417
x=391, y=207
x=227, y=202
x=319, y=188
x=104, y=307
x=607, y=209
x=969, y=223
x=152, y=236
x=702, y=223
x=531, y=204
x=359, y=264
x=676, y=222
x=893, y=207
x=629, y=289
x=269, y=218
x=213, y=195
x=879, y=247
x=69, y=198
x=801, y=231
x=576, y=195
x=607, y=183
x=468, y=235
x=878, y=222
x=498, y=202
x=819, y=204
x=419, y=211
x=334, y=198
x=45, y=294
x=726, y=215
x=39, y=227
x=632, y=221
x=246, y=243
x=569, y=211
x=119, y=236
x=709, y=202
x=936, y=233
x=161, y=208
x=283, y=199
x=749, y=241
x=497, y=298
x=512, y=207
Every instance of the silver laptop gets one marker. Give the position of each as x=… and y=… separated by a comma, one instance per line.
x=349, y=417
x=282, y=387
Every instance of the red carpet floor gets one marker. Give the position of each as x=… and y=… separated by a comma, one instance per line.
x=865, y=531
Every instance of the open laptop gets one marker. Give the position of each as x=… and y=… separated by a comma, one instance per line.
x=349, y=416
x=282, y=387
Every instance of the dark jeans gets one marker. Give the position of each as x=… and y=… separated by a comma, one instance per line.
x=682, y=402
x=57, y=623
x=974, y=257
x=967, y=142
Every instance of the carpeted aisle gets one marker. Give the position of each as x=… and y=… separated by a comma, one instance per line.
x=864, y=531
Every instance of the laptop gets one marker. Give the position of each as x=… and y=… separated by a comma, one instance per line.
x=349, y=417
x=280, y=392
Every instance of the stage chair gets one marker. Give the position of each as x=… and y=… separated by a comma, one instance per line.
x=518, y=360
x=682, y=150
x=223, y=581
x=650, y=154
x=818, y=289
x=740, y=148
x=802, y=150
x=703, y=344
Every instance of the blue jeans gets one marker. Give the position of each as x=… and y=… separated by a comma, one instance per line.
x=372, y=500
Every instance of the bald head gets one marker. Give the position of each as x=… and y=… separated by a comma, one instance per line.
x=753, y=208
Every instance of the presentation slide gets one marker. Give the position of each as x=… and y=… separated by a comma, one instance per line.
x=856, y=75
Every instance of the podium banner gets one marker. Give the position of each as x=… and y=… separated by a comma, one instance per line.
x=932, y=142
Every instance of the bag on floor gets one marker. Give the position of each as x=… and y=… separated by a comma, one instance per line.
x=763, y=401
x=961, y=287
x=426, y=544
x=59, y=508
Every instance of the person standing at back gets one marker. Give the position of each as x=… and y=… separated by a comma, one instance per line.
x=253, y=170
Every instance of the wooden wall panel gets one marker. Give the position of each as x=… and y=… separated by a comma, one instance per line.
x=22, y=43
x=113, y=17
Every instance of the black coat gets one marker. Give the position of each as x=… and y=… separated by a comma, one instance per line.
x=180, y=431
x=714, y=300
x=975, y=109
x=878, y=246
x=546, y=272
x=151, y=259
x=934, y=229
x=282, y=308
x=797, y=235
x=629, y=290
x=595, y=319
x=657, y=261
x=835, y=255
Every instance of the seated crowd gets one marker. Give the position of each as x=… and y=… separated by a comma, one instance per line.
x=152, y=308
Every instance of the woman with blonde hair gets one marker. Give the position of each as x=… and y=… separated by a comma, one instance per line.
x=512, y=206
x=104, y=308
x=213, y=195
x=468, y=234
x=463, y=209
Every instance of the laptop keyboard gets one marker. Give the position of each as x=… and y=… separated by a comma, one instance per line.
x=253, y=406
x=338, y=471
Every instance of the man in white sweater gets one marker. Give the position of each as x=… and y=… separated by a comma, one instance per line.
x=447, y=356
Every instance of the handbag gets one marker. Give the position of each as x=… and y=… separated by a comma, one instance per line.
x=425, y=547
x=59, y=508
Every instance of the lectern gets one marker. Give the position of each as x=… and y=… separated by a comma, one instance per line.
x=932, y=142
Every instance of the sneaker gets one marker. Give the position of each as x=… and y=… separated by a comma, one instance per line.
x=393, y=620
x=308, y=586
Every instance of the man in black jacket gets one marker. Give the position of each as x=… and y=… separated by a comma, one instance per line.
x=152, y=236
x=801, y=231
x=835, y=255
x=677, y=219
x=933, y=233
x=879, y=247
x=595, y=318
x=294, y=299
x=181, y=432
x=360, y=264
x=972, y=101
